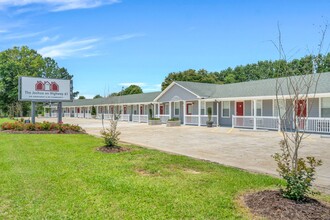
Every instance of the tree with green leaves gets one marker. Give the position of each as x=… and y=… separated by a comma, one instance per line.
x=132, y=89
x=81, y=97
x=97, y=96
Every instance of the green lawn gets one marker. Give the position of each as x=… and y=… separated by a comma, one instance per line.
x=2, y=120
x=63, y=177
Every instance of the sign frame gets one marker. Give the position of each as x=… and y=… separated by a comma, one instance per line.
x=44, y=100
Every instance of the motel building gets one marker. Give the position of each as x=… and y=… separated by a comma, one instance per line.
x=250, y=104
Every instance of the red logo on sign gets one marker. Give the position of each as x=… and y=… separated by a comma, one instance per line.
x=46, y=86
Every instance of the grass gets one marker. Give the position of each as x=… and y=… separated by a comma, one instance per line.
x=2, y=120
x=64, y=177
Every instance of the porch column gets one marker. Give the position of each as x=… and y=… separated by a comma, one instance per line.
x=184, y=112
x=218, y=123
x=139, y=109
x=158, y=109
x=254, y=114
x=199, y=112
x=170, y=109
x=74, y=112
x=154, y=115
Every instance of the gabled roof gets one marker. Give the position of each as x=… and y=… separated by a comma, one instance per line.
x=266, y=87
x=136, y=98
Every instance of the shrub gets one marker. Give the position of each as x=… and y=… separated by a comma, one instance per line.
x=209, y=113
x=45, y=126
x=93, y=110
x=30, y=127
x=111, y=135
x=174, y=119
x=298, y=179
x=157, y=119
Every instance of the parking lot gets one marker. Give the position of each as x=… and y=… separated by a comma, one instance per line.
x=244, y=149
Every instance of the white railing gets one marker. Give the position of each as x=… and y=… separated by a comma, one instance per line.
x=164, y=118
x=124, y=117
x=88, y=115
x=54, y=115
x=75, y=115
x=318, y=125
x=80, y=115
x=271, y=123
x=262, y=122
x=67, y=115
x=47, y=115
x=144, y=118
x=205, y=118
x=135, y=118
x=107, y=116
x=140, y=118
x=191, y=119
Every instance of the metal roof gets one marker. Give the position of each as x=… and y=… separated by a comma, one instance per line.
x=266, y=87
x=136, y=98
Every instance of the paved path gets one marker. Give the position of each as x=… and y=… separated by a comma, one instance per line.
x=243, y=149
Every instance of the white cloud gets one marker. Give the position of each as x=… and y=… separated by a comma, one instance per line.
x=48, y=39
x=127, y=36
x=3, y=31
x=21, y=35
x=56, y=5
x=71, y=48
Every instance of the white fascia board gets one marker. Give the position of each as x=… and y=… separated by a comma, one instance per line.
x=170, y=86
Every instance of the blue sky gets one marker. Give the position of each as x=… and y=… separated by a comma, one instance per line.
x=107, y=44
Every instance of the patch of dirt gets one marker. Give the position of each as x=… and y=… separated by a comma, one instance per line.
x=191, y=171
x=143, y=172
x=42, y=132
x=113, y=150
x=271, y=205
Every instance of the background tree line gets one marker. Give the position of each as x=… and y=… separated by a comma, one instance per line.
x=260, y=70
x=23, y=61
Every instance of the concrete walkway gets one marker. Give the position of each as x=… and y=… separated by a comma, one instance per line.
x=244, y=149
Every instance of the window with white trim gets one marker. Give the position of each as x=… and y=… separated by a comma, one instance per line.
x=279, y=108
x=325, y=107
x=176, y=108
x=259, y=108
x=225, y=109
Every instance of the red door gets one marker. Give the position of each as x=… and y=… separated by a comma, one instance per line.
x=301, y=112
x=301, y=108
x=161, y=109
x=239, y=108
x=78, y=110
x=189, y=109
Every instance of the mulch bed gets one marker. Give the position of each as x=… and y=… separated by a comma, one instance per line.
x=113, y=150
x=40, y=132
x=271, y=205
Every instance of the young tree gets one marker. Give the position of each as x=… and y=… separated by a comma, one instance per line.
x=81, y=97
x=296, y=84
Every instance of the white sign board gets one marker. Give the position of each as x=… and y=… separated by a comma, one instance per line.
x=45, y=90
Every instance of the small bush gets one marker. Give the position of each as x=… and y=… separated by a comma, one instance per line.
x=174, y=119
x=44, y=126
x=298, y=179
x=156, y=119
x=30, y=127
x=111, y=135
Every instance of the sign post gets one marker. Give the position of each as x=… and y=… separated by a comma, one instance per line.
x=33, y=112
x=45, y=90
